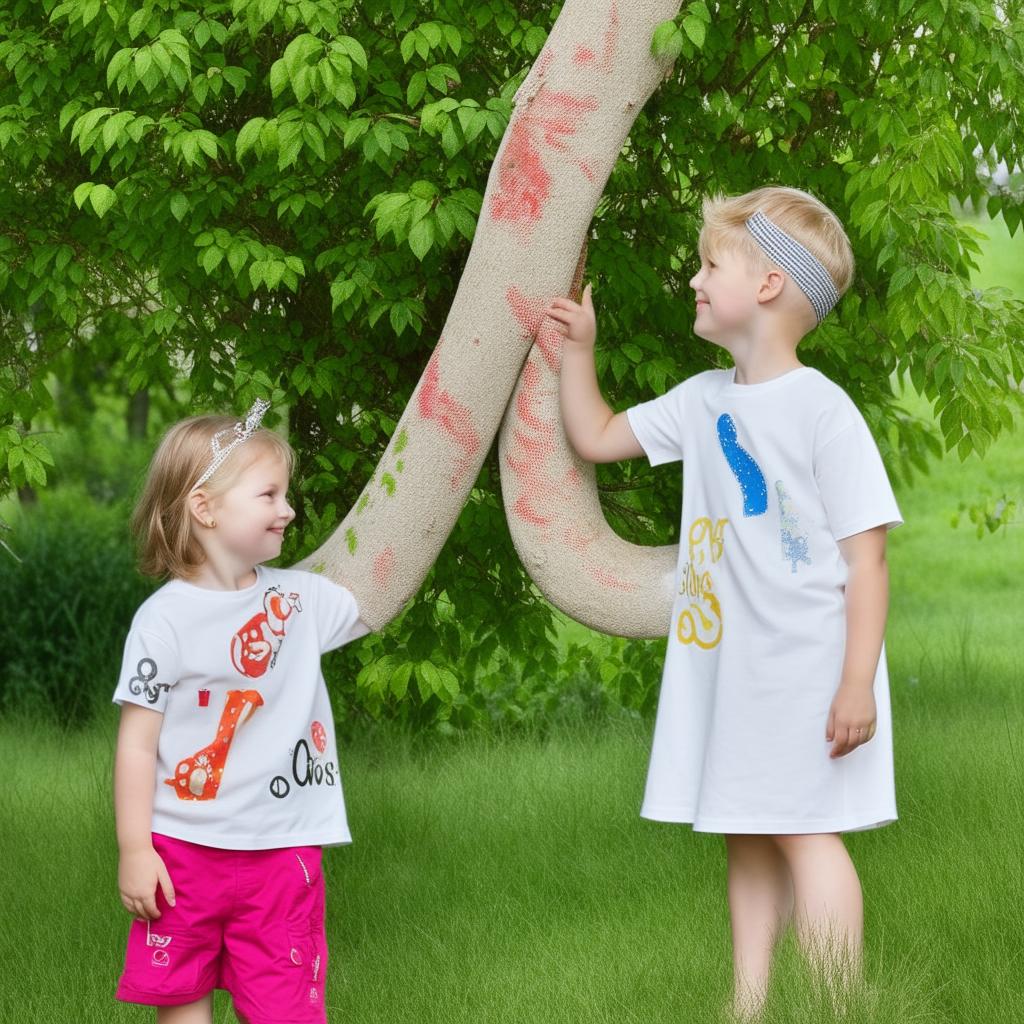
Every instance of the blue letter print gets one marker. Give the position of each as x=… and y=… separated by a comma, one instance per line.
x=744, y=468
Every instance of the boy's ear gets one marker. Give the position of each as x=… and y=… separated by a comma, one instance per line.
x=771, y=285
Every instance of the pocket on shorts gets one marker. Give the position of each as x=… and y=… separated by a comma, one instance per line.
x=307, y=956
x=169, y=965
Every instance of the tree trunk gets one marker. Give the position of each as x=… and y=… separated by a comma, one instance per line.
x=572, y=115
x=137, y=415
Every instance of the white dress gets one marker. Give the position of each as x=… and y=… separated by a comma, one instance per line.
x=775, y=474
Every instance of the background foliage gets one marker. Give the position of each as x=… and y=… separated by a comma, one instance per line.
x=202, y=202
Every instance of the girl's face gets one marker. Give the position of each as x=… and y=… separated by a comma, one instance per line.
x=726, y=292
x=252, y=515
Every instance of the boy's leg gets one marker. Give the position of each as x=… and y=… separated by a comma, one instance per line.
x=760, y=905
x=829, y=908
x=199, y=1012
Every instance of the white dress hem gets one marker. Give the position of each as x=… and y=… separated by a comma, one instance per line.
x=725, y=825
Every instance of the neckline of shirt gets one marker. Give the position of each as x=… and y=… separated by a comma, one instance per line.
x=225, y=595
x=730, y=387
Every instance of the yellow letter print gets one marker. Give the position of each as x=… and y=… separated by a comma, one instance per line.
x=701, y=622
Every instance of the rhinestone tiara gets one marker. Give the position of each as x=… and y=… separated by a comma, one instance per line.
x=241, y=432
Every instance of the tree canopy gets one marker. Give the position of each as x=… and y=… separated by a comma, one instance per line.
x=202, y=202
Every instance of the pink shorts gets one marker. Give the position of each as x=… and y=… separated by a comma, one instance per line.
x=249, y=921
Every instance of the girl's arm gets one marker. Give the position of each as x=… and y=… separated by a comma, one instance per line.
x=141, y=868
x=596, y=432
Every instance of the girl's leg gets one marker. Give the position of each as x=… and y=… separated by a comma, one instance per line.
x=199, y=1012
x=760, y=905
x=829, y=910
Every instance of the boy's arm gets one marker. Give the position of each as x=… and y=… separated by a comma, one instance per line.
x=867, y=604
x=596, y=432
x=141, y=868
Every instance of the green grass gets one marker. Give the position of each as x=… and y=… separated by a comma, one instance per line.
x=512, y=880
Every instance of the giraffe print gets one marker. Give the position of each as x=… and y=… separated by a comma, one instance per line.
x=198, y=777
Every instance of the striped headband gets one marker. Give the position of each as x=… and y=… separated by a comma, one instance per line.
x=803, y=266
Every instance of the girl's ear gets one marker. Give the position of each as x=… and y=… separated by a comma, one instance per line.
x=199, y=507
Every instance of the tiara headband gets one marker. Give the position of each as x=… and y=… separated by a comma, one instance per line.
x=241, y=432
x=803, y=266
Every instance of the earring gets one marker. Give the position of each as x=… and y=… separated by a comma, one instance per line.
x=212, y=523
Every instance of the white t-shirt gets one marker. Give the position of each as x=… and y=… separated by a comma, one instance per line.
x=246, y=758
x=775, y=474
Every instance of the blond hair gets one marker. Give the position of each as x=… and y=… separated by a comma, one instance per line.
x=161, y=522
x=798, y=213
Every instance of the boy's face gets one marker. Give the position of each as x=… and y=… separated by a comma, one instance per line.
x=726, y=290
x=252, y=515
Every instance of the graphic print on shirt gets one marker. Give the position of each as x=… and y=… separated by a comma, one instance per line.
x=145, y=672
x=744, y=468
x=307, y=768
x=199, y=777
x=794, y=543
x=701, y=622
x=255, y=646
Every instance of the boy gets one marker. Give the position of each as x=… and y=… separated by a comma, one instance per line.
x=773, y=724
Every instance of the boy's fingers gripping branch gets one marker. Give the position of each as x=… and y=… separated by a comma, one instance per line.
x=575, y=321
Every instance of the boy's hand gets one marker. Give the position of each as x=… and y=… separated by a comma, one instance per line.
x=851, y=719
x=138, y=874
x=575, y=321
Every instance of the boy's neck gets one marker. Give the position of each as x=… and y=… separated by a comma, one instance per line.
x=760, y=362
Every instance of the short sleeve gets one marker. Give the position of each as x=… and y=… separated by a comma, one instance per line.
x=853, y=484
x=337, y=615
x=149, y=668
x=658, y=426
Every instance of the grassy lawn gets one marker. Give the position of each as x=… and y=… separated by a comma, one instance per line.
x=497, y=880
x=513, y=881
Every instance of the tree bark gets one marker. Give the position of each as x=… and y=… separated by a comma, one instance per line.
x=572, y=115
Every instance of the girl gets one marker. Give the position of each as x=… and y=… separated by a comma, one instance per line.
x=226, y=781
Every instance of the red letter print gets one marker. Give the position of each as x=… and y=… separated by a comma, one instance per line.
x=254, y=647
x=198, y=777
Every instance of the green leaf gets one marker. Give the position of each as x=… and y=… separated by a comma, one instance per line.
x=695, y=29
x=248, y=135
x=667, y=41
x=399, y=681
x=102, y=198
x=81, y=193
x=179, y=205
x=421, y=237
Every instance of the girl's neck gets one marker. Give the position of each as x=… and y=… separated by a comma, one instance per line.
x=213, y=577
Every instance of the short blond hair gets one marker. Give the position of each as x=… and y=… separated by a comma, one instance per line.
x=160, y=521
x=798, y=213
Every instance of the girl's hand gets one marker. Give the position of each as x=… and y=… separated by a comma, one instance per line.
x=138, y=874
x=574, y=321
x=851, y=719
